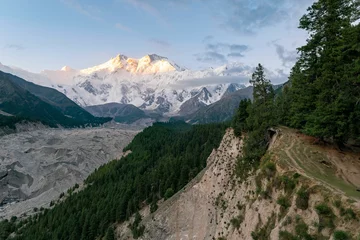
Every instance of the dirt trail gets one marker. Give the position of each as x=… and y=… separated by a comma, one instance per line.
x=300, y=170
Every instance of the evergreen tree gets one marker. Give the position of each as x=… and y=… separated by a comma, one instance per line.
x=110, y=235
x=239, y=120
x=320, y=93
x=261, y=113
x=261, y=116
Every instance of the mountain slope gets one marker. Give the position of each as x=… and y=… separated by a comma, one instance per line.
x=278, y=201
x=52, y=108
x=123, y=113
x=222, y=110
x=57, y=99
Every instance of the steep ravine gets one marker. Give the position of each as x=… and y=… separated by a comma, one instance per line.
x=276, y=202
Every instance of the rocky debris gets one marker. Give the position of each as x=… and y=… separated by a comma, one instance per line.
x=36, y=166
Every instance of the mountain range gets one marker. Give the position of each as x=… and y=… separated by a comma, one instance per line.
x=149, y=87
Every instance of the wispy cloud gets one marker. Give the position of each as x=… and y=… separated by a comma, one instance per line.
x=122, y=27
x=208, y=38
x=17, y=47
x=249, y=16
x=288, y=58
x=219, y=52
x=159, y=43
x=236, y=55
x=211, y=57
x=84, y=9
x=242, y=77
x=222, y=47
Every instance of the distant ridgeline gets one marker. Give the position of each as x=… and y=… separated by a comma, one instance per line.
x=25, y=101
x=164, y=158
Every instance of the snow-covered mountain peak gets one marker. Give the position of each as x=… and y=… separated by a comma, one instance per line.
x=149, y=64
x=118, y=62
x=66, y=69
x=153, y=63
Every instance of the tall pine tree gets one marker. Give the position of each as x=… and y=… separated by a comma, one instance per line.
x=320, y=94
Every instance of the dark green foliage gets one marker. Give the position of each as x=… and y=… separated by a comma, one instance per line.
x=269, y=169
x=259, y=117
x=136, y=228
x=168, y=194
x=285, y=182
x=166, y=155
x=323, y=209
x=236, y=221
x=284, y=235
x=6, y=228
x=239, y=120
x=110, y=234
x=323, y=94
x=326, y=216
x=10, y=121
x=296, y=175
x=301, y=229
x=337, y=203
x=123, y=113
x=61, y=195
x=284, y=202
x=348, y=213
x=341, y=235
x=302, y=200
x=301, y=232
x=153, y=207
x=264, y=232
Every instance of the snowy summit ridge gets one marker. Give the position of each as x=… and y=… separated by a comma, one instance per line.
x=151, y=83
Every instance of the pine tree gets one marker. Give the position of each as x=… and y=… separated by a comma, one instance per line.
x=110, y=235
x=261, y=116
x=261, y=113
x=239, y=120
x=263, y=90
x=319, y=90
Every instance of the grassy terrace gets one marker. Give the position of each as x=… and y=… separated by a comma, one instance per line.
x=322, y=163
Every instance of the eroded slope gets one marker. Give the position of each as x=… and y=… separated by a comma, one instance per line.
x=278, y=201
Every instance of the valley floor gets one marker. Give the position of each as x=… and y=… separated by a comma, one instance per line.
x=37, y=166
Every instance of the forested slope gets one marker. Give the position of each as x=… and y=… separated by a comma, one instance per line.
x=164, y=158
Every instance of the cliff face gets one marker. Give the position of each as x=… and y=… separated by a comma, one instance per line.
x=278, y=201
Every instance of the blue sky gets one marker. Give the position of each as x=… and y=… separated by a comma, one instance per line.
x=48, y=34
